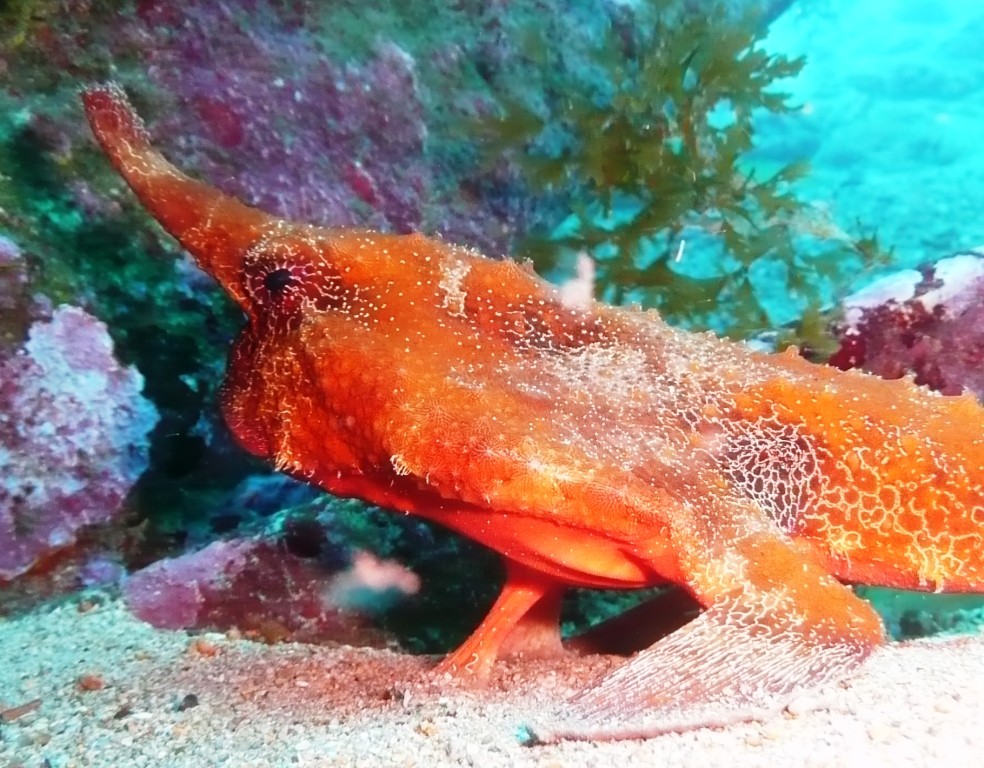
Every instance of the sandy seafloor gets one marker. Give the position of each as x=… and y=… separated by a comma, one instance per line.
x=917, y=704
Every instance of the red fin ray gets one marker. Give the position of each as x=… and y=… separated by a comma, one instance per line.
x=776, y=624
x=734, y=663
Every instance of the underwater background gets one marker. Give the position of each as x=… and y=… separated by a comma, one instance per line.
x=806, y=172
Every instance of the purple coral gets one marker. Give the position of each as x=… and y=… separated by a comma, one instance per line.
x=929, y=323
x=258, y=586
x=73, y=437
x=270, y=119
x=265, y=100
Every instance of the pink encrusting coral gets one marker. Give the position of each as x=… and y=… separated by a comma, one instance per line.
x=928, y=323
x=257, y=585
x=275, y=104
x=297, y=134
x=73, y=437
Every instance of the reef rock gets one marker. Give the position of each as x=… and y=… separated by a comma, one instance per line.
x=73, y=437
x=264, y=588
x=928, y=323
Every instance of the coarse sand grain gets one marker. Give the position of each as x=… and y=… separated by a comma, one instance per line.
x=83, y=683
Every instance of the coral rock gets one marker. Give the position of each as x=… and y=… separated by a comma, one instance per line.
x=928, y=323
x=300, y=135
x=258, y=586
x=73, y=437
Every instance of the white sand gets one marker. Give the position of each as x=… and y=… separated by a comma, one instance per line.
x=290, y=705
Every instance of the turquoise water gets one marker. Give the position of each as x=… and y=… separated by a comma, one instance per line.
x=893, y=107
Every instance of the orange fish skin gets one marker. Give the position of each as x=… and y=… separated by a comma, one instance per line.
x=588, y=445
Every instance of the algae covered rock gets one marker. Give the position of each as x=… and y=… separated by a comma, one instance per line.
x=73, y=437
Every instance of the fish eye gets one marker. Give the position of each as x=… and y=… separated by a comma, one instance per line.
x=282, y=278
x=277, y=280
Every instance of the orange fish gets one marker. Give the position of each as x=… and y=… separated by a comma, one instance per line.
x=589, y=445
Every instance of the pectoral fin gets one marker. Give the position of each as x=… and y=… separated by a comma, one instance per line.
x=790, y=627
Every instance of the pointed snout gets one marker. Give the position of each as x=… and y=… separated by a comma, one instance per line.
x=216, y=229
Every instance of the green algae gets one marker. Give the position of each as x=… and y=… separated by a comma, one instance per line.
x=648, y=147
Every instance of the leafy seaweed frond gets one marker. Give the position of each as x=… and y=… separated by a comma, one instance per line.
x=648, y=144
